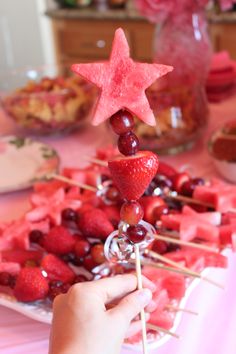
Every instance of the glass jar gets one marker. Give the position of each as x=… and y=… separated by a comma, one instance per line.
x=179, y=100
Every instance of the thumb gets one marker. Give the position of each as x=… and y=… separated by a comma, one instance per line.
x=131, y=305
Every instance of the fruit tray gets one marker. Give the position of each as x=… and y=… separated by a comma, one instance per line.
x=60, y=240
x=42, y=312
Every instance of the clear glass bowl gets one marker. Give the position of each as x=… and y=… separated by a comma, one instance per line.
x=46, y=100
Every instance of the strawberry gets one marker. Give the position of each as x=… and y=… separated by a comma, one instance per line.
x=89, y=263
x=132, y=174
x=31, y=285
x=112, y=213
x=95, y=223
x=149, y=203
x=21, y=256
x=59, y=241
x=166, y=170
x=179, y=179
x=56, y=269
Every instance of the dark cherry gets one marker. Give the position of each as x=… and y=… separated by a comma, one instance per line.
x=174, y=205
x=36, y=236
x=82, y=248
x=55, y=284
x=104, y=178
x=112, y=194
x=56, y=288
x=188, y=187
x=72, y=258
x=136, y=233
x=80, y=278
x=89, y=263
x=159, y=246
x=159, y=185
x=54, y=292
x=159, y=211
x=128, y=144
x=198, y=181
x=7, y=279
x=162, y=181
x=122, y=122
x=172, y=247
x=97, y=253
x=150, y=189
x=69, y=215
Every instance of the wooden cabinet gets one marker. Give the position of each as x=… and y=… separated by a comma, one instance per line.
x=80, y=40
x=88, y=37
x=223, y=37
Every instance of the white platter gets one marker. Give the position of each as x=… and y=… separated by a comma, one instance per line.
x=22, y=161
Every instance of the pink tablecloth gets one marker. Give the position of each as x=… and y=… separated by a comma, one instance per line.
x=213, y=331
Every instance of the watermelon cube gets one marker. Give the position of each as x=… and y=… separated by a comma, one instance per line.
x=175, y=285
x=162, y=319
x=10, y=267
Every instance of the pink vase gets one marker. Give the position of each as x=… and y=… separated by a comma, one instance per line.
x=179, y=99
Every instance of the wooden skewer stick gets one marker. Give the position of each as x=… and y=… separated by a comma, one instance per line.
x=185, y=243
x=95, y=160
x=177, y=309
x=160, y=329
x=72, y=182
x=170, y=269
x=175, y=264
x=140, y=286
x=182, y=198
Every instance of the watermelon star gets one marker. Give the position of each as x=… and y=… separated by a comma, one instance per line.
x=122, y=82
x=51, y=207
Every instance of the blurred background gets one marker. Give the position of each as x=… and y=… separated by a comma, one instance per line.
x=40, y=39
x=81, y=30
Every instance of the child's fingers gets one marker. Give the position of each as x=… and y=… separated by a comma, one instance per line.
x=111, y=289
x=131, y=305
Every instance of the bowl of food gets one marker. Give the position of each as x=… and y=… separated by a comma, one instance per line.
x=46, y=100
x=222, y=148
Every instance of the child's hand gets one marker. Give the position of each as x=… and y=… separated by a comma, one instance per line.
x=82, y=324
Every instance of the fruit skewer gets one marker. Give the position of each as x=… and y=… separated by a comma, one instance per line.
x=122, y=84
x=117, y=81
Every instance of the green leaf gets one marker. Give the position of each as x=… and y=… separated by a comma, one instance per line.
x=48, y=153
x=18, y=142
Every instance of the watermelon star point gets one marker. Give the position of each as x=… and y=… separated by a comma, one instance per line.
x=122, y=82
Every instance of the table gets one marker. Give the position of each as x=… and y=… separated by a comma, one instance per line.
x=213, y=331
